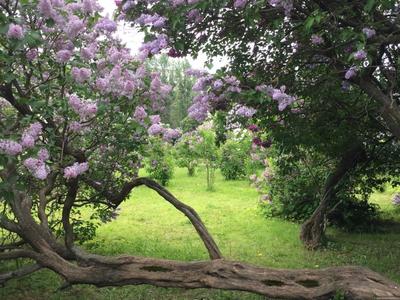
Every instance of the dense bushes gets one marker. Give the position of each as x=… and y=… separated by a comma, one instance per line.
x=293, y=190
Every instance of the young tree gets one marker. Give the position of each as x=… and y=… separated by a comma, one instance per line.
x=74, y=123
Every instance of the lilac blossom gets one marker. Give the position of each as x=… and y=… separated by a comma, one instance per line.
x=80, y=75
x=46, y=8
x=369, y=32
x=37, y=167
x=239, y=3
x=154, y=20
x=360, y=54
x=106, y=25
x=43, y=154
x=350, y=73
x=75, y=126
x=194, y=16
x=140, y=114
x=155, y=119
x=31, y=54
x=83, y=109
x=316, y=39
x=30, y=135
x=283, y=99
x=217, y=84
x=15, y=31
x=89, y=52
x=74, y=26
x=154, y=46
x=396, y=199
x=245, y=111
x=63, y=56
x=75, y=170
x=171, y=134
x=287, y=5
x=155, y=129
x=10, y=147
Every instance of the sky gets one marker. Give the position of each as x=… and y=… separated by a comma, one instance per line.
x=133, y=39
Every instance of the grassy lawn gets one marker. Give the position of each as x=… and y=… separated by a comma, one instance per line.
x=149, y=226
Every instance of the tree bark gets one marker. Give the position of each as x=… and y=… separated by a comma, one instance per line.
x=312, y=232
x=354, y=282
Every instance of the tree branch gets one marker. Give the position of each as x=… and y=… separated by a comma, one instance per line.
x=25, y=270
x=188, y=211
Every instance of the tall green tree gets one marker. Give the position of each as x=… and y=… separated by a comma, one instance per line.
x=173, y=72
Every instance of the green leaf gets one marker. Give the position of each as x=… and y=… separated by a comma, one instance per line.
x=309, y=23
x=369, y=5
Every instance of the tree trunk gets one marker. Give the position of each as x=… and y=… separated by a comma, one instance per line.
x=353, y=282
x=312, y=232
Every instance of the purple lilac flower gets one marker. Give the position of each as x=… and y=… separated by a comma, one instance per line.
x=140, y=114
x=155, y=119
x=369, y=32
x=360, y=54
x=46, y=8
x=15, y=32
x=316, y=39
x=154, y=20
x=63, y=56
x=83, y=109
x=74, y=26
x=75, y=170
x=283, y=99
x=30, y=135
x=10, y=147
x=350, y=73
x=217, y=84
x=75, y=126
x=171, y=134
x=239, y=3
x=80, y=75
x=37, y=168
x=194, y=16
x=155, y=129
x=396, y=199
x=245, y=111
x=106, y=25
x=31, y=54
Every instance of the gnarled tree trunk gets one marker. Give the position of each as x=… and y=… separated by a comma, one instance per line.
x=312, y=232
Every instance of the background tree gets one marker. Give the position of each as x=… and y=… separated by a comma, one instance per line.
x=172, y=71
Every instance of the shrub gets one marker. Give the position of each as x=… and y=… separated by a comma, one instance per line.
x=159, y=162
x=186, y=151
x=293, y=189
x=234, y=157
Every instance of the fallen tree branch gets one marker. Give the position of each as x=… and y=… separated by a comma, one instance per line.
x=23, y=271
x=354, y=282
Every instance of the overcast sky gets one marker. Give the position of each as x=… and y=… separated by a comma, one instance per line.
x=134, y=39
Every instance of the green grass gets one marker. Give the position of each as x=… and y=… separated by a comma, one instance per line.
x=149, y=226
